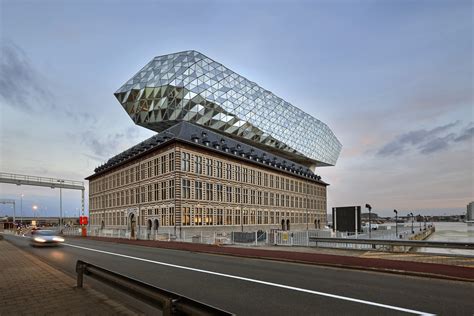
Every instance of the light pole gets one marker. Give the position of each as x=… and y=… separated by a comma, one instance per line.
x=21, y=208
x=419, y=220
x=396, y=224
x=412, y=230
x=34, y=207
x=60, y=203
x=370, y=226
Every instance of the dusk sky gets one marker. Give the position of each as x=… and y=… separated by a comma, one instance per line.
x=392, y=79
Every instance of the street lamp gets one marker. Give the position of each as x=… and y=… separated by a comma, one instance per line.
x=419, y=220
x=396, y=224
x=370, y=226
x=34, y=207
x=60, y=203
x=21, y=208
x=412, y=230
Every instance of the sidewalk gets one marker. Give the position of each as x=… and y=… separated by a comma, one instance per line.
x=29, y=286
x=442, y=271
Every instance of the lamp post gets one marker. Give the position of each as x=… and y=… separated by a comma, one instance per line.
x=396, y=224
x=60, y=203
x=21, y=208
x=419, y=220
x=424, y=218
x=412, y=230
x=34, y=207
x=370, y=226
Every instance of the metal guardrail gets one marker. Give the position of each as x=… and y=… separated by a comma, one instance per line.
x=170, y=303
x=20, y=179
x=408, y=243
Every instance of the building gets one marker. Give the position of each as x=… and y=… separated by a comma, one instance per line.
x=470, y=212
x=228, y=155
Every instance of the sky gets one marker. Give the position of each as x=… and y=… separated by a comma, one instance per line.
x=392, y=79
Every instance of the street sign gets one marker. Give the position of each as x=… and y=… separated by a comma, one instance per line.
x=83, y=220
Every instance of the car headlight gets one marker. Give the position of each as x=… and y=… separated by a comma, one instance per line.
x=58, y=239
x=39, y=239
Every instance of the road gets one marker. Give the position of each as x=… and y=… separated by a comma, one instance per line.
x=259, y=287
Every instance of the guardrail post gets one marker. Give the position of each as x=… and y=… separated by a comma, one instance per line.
x=80, y=273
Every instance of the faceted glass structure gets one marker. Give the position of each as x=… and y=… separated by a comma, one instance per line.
x=189, y=86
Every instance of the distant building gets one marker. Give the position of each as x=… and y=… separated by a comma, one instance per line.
x=470, y=212
x=365, y=216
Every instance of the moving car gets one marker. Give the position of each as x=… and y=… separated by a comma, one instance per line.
x=46, y=238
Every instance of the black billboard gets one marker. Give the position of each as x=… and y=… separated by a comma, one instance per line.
x=344, y=218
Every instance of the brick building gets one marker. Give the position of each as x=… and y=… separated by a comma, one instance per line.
x=191, y=177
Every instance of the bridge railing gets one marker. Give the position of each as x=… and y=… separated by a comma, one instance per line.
x=25, y=179
x=168, y=302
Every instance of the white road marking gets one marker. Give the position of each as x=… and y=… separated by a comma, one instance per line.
x=401, y=309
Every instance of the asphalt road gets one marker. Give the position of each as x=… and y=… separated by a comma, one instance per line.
x=259, y=287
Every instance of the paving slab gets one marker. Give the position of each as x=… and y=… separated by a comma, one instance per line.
x=29, y=286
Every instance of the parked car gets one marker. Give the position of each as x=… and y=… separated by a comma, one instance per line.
x=45, y=238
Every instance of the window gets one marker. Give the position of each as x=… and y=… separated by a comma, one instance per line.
x=150, y=193
x=220, y=217
x=252, y=196
x=219, y=169
x=228, y=171
x=237, y=195
x=198, y=190
x=198, y=216
x=171, y=189
x=246, y=196
x=259, y=178
x=209, y=167
x=229, y=194
x=149, y=165
x=209, y=193
x=156, y=187
x=259, y=198
x=265, y=198
x=142, y=172
x=198, y=164
x=228, y=217
x=171, y=162
x=252, y=176
x=237, y=173
x=186, y=183
x=163, y=164
x=244, y=174
x=185, y=162
x=163, y=190
x=220, y=192
x=186, y=219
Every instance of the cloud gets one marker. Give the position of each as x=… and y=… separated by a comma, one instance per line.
x=426, y=141
x=103, y=148
x=21, y=86
x=24, y=88
x=466, y=134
